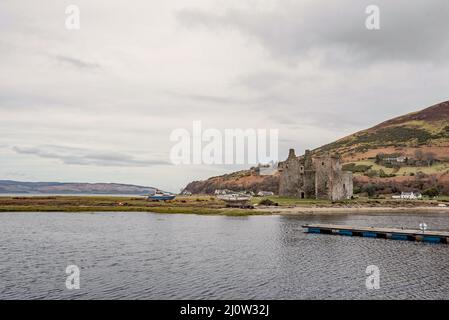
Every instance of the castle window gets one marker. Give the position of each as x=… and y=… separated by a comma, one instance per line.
x=322, y=163
x=301, y=168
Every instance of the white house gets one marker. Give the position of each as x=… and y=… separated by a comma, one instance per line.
x=408, y=196
x=400, y=159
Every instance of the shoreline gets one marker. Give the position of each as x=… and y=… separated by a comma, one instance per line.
x=352, y=210
x=208, y=205
x=258, y=211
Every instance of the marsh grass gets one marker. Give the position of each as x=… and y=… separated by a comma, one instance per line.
x=203, y=205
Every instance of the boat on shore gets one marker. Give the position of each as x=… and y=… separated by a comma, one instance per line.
x=234, y=197
x=161, y=196
x=236, y=200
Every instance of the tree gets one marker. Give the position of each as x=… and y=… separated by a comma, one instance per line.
x=429, y=157
x=420, y=175
x=371, y=173
x=431, y=192
x=379, y=158
x=419, y=155
x=370, y=189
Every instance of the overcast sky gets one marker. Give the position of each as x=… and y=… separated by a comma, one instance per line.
x=98, y=104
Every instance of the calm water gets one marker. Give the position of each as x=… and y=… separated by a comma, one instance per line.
x=152, y=256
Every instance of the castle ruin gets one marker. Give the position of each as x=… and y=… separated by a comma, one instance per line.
x=314, y=177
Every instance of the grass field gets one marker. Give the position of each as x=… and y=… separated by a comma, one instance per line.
x=205, y=205
x=436, y=168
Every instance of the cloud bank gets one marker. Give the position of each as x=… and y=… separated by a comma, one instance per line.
x=99, y=103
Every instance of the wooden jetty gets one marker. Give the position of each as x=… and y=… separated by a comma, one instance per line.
x=382, y=233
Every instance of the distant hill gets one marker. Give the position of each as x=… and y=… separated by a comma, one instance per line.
x=8, y=186
x=422, y=137
x=427, y=130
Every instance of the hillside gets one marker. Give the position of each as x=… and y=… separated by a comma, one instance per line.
x=245, y=180
x=426, y=130
x=410, y=152
x=11, y=187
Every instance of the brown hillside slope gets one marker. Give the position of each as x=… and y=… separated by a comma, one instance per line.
x=434, y=113
x=427, y=130
x=246, y=180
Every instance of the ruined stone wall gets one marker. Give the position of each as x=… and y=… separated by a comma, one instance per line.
x=342, y=186
x=309, y=184
x=290, y=179
x=308, y=187
x=314, y=177
x=348, y=184
x=323, y=177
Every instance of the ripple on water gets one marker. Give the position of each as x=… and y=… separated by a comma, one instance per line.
x=149, y=256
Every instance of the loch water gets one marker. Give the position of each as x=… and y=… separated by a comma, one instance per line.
x=180, y=256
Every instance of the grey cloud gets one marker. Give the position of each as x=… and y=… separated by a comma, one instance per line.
x=410, y=29
x=16, y=175
x=77, y=63
x=78, y=156
x=207, y=98
x=330, y=120
x=262, y=81
x=258, y=101
x=24, y=98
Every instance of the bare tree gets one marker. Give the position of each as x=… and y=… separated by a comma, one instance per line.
x=419, y=155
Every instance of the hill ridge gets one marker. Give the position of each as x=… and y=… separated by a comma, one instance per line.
x=29, y=187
